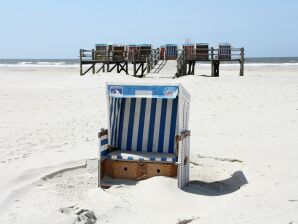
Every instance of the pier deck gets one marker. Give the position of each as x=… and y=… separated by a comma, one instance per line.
x=144, y=61
x=141, y=61
x=187, y=59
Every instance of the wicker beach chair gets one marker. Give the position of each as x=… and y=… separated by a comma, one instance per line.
x=147, y=133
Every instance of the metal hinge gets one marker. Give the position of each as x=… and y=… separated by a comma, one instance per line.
x=182, y=135
x=102, y=132
x=112, y=148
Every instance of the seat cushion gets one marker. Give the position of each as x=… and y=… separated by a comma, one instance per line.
x=143, y=156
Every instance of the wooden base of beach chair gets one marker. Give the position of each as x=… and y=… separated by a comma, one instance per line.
x=161, y=169
x=137, y=170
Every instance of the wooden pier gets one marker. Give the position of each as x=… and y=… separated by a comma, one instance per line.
x=142, y=60
x=107, y=58
x=187, y=59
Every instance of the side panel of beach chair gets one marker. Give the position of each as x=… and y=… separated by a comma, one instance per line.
x=103, y=151
x=183, y=139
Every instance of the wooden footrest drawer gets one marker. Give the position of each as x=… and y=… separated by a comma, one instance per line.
x=135, y=170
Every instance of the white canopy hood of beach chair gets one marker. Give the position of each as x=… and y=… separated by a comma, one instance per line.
x=142, y=91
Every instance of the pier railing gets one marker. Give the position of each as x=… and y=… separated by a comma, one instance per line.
x=135, y=55
x=107, y=56
x=147, y=59
x=181, y=64
x=152, y=59
x=232, y=54
x=142, y=59
x=188, y=58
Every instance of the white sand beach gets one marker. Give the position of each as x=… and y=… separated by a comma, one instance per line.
x=244, y=148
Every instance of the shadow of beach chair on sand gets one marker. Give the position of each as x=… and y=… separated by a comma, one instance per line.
x=147, y=134
x=217, y=188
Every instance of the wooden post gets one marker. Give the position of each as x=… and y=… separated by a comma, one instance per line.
x=126, y=67
x=93, y=58
x=184, y=63
x=193, y=68
x=142, y=69
x=178, y=67
x=212, y=65
x=108, y=59
x=147, y=63
x=134, y=63
x=241, y=61
x=152, y=62
x=134, y=69
x=133, y=56
x=93, y=68
x=216, y=68
x=189, y=68
x=81, y=66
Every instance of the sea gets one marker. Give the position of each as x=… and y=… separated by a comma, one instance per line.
x=250, y=61
x=38, y=62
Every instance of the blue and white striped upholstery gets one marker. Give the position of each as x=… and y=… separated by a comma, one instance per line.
x=143, y=124
x=143, y=156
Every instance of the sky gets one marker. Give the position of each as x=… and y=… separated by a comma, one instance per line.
x=59, y=28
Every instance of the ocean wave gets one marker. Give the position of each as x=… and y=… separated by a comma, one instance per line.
x=204, y=64
x=253, y=64
x=25, y=63
x=41, y=64
x=50, y=63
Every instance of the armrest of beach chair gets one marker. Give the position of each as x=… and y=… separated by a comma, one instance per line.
x=183, y=148
x=103, y=143
x=103, y=152
x=179, y=138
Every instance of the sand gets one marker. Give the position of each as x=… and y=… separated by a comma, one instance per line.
x=244, y=149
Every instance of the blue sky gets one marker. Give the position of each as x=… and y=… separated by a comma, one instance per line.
x=59, y=28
